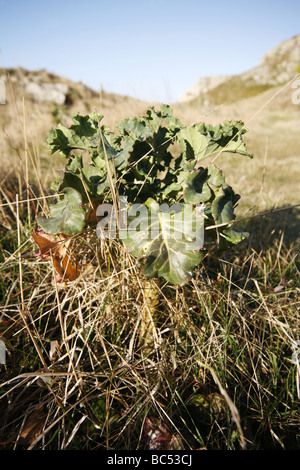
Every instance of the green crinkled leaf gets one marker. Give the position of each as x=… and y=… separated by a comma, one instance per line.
x=162, y=123
x=168, y=247
x=95, y=179
x=80, y=135
x=68, y=179
x=91, y=179
x=216, y=178
x=75, y=163
x=107, y=151
x=233, y=236
x=199, y=141
x=209, y=186
x=171, y=191
x=122, y=157
x=194, y=144
x=222, y=206
x=202, y=185
x=196, y=187
x=70, y=176
x=135, y=128
x=67, y=215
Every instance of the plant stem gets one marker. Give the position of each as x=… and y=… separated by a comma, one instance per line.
x=149, y=314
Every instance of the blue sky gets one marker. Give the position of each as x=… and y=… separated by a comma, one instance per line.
x=150, y=49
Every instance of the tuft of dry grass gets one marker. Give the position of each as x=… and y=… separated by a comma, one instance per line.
x=219, y=377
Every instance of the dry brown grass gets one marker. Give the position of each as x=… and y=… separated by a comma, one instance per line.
x=220, y=375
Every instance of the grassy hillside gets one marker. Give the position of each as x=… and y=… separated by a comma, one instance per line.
x=273, y=123
x=233, y=89
x=222, y=373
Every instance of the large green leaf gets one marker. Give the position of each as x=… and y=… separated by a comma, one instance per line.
x=67, y=215
x=208, y=185
x=135, y=128
x=70, y=176
x=169, y=242
x=122, y=156
x=195, y=185
x=204, y=184
x=95, y=179
x=222, y=206
x=234, y=236
x=80, y=135
x=199, y=141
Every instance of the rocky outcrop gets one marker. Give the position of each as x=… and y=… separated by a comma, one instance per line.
x=276, y=67
x=54, y=92
x=40, y=86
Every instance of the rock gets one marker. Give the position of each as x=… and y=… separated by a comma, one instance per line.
x=277, y=66
x=53, y=92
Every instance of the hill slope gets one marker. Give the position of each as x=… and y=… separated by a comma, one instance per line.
x=277, y=67
x=37, y=101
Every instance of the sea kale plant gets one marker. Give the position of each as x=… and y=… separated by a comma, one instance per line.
x=154, y=162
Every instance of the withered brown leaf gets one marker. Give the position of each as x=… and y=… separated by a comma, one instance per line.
x=33, y=426
x=157, y=435
x=57, y=249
